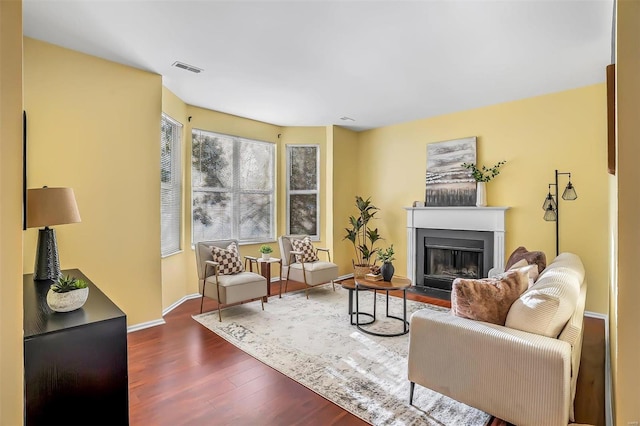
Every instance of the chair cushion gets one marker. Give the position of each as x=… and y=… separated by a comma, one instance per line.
x=307, y=249
x=229, y=259
x=487, y=299
x=531, y=257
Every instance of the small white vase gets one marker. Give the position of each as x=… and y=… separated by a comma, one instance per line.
x=266, y=256
x=481, y=194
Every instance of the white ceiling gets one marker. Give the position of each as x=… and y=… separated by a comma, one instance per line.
x=308, y=63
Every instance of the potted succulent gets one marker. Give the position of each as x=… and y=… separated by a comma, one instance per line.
x=67, y=294
x=386, y=257
x=266, y=251
x=362, y=236
x=483, y=175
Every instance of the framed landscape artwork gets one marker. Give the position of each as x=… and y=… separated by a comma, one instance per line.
x=448, y=183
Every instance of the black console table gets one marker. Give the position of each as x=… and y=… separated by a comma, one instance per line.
x=75, y=363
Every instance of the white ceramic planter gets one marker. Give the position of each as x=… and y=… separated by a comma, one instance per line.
x=266, y=256
x=69, y=301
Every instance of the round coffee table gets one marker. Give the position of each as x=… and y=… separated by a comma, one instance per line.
x=396, y=283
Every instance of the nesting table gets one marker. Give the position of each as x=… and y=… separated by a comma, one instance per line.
x=357, y=285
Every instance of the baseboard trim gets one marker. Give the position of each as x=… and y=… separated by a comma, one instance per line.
x=144, y=325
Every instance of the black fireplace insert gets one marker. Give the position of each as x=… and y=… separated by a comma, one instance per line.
x=443, y=255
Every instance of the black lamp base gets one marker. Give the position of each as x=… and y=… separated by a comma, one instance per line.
x=47, y=265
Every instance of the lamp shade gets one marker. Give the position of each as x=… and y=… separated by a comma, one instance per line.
x=550, y=214
x=51, y=206
x=549, y=201
x=569, y=193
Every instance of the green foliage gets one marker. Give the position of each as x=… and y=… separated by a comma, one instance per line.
x=360, y=234
x=68, y=283
x=484, y=174
x=265, y=249
x=386, y=255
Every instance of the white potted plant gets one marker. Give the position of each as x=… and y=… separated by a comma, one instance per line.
x=483, y=175
x=266, y=251
x=67, y=294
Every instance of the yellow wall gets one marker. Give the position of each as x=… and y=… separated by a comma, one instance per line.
x=11, y=359
x=625, y=326
x=345, y=176
x=175, y=267
x=94, y=125
x=231, y=125
x=565, y=131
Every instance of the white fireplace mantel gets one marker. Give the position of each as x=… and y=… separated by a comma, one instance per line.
x=460, y=218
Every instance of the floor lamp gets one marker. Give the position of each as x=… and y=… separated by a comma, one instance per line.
x=551, y=204
x=47, y=207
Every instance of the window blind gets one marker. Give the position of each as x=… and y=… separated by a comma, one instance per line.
x=170, y=185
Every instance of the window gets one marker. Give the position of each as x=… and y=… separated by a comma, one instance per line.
x=170, y=185
x=232, y=184
x=303, y=193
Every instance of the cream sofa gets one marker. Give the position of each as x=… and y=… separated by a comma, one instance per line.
x=524, y=372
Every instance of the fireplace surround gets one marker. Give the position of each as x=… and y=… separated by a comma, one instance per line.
x=448, y=242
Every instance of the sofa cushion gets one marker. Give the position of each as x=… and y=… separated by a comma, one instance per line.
x=546, y=307
x=531, y=257
x=306, y=248
x=228, y=259
x=487, y=299
x=530, y=270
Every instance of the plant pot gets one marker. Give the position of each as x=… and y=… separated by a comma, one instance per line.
x=359, y=271
x=266, y=256
x=481, y=194
x=387, y=270
x=69, y=301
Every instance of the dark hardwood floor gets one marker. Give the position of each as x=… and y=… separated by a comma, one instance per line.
x=180, y=373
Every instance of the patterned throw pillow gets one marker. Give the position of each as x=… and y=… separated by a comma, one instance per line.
x=228, y=259
x=305, y=246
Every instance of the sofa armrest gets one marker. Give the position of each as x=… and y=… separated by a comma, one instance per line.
x=520, y=377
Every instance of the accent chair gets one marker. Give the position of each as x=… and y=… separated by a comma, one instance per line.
x=223, y=283
x=300, y=262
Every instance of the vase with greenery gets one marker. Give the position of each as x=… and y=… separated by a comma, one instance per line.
x=266, y=251
x=386, y=257
x=362, y=235
x=482, y=175
x=67, y=294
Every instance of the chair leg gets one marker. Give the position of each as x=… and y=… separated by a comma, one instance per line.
x=334, y=285
x=306, y=292
x=201, y=301
x=262, y=303
x=286, y=283
x=219, y=311
x=413, y=385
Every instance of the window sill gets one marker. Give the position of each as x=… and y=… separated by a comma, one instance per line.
x=173, y=253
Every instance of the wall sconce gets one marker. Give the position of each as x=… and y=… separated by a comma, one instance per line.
x=47, y=207
x=551, y=205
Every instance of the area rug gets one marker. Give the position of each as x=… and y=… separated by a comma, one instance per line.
x=312, y=342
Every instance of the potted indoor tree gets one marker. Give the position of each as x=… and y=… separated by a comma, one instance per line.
x=386, y=257
x=483, y=175
x=67, y=294
x=266, y=251
x=362, y=236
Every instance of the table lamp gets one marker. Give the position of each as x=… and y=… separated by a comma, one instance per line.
x=47, y=207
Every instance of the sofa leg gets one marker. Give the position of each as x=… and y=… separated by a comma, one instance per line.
x=262, y=303
x=219, y=312
x=413, y=385
x=334, y=285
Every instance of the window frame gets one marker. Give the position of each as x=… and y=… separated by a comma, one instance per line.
x=176, y=183
x=236, y=191
x=289, y=191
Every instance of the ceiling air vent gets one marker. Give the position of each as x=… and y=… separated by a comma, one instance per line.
x=187, y=67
